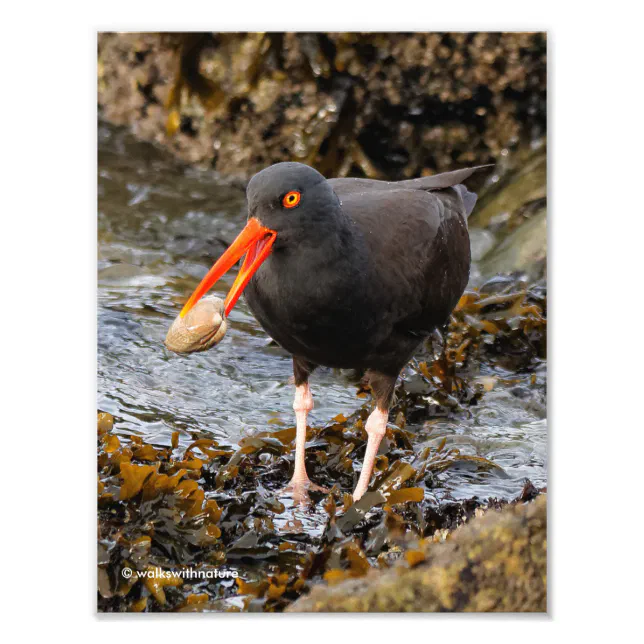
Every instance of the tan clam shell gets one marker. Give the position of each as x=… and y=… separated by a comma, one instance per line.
x=203, y=327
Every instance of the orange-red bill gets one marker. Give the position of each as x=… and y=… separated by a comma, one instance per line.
x=255, y=241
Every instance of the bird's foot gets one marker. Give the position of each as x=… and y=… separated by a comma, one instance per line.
x=299, y=488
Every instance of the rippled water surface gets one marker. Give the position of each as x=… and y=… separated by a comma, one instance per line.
x=160, y=227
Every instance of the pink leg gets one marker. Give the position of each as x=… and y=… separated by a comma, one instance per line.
x=376, y=428
x=302, y=405
x=300, y=483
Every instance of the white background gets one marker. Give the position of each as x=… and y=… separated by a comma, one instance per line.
x=48, y=246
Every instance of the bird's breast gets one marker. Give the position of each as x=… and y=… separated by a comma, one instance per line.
x=313, y=310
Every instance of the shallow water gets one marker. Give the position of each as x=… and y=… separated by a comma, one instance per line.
x=160, y=227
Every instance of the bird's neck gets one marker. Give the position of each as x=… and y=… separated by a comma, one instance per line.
x=329, y=246
x=341, y=244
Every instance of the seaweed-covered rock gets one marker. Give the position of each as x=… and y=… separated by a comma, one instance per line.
x=495, y=563
x=165, y=509
x=379, y=105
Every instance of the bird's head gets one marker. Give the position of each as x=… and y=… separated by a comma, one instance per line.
x=286, y=201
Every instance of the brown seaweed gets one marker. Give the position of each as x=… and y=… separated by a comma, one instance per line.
x=165, y=509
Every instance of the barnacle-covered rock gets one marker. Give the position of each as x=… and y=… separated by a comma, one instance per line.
x=388, y=106
x=495, y=563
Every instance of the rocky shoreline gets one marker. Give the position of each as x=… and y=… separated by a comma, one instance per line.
x=379, y=105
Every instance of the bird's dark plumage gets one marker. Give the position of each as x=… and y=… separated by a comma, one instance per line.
x=363, y=270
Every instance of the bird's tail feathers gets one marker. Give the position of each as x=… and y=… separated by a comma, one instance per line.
x=443, y=180
x=469, y=198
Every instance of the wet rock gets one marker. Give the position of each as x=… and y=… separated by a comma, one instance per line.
x=520, y=180
x=509, y=225
x=494, y=563
x=524, y=250
x=482, y=241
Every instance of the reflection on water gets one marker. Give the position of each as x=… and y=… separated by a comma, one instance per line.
x=160, y=227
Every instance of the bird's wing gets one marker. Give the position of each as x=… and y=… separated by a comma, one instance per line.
x=443, y=180
x=347, y=188
x=435, y=182
x=419, y=250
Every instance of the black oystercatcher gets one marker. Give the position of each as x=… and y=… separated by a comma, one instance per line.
x=349, y=273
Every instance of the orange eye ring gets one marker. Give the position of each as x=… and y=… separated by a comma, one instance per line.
x=291, y=199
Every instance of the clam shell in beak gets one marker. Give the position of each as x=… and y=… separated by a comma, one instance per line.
x=203, y=327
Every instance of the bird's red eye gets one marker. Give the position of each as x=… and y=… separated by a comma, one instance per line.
x=291, y=199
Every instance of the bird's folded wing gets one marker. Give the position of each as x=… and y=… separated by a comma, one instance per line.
x=347, y=187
